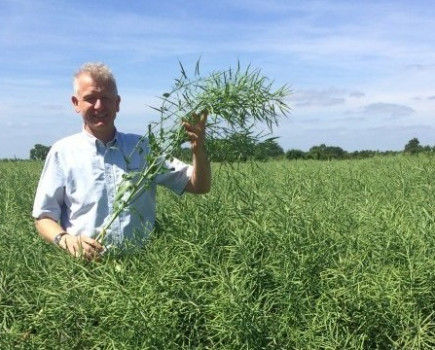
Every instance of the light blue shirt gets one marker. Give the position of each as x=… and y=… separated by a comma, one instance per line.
x=79, y=181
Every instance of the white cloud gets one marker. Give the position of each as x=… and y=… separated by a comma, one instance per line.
x=390, y=110
x=324, y=98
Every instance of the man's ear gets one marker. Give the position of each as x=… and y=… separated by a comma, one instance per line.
x=118, y=103
x=75, y=103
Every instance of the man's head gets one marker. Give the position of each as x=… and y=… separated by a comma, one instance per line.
x=99, y=72
x=96, y=99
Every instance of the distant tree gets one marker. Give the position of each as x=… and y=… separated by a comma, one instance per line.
x=39, y=152
x=413, y=146
x=295, y=154
x=217, y=149
x=362, y=154
x=324, y=152
x=427, y=148
x=268, y=149
x=317, y=152
x=241, y=146
x=236, y=147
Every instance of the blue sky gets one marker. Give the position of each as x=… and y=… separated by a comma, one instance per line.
x=362, y=72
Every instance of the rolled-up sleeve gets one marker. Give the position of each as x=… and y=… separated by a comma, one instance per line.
x=50, y=193
x=177, y=177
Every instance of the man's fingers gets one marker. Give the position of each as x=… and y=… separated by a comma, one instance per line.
x=91, y=250
x=200, y=117
x=192, y=136
x=95, y=245
x=86, y=248
x=204, y=116
x=92, y=243
x=203, y=119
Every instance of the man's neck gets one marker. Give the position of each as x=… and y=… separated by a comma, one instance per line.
x=103, y=136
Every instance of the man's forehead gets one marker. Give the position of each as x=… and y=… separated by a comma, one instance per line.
x=86, y=82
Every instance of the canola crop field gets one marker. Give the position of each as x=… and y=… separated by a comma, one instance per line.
x=280, y=255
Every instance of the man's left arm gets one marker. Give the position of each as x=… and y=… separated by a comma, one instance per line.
x=200, y=179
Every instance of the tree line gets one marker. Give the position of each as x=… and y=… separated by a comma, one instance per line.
x=324, y=152
x=242, y=147
x=245, y=146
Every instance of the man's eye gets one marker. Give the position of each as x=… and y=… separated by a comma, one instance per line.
x=91, y=100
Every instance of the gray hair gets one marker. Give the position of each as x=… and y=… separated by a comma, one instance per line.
x=97, y=71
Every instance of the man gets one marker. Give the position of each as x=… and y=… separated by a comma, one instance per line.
x=76, y=192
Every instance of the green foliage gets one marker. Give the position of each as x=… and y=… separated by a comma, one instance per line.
x=367, y=154
x=268, y=149
x=413, y=146
x=295, y=154
x=324, y=152
x=280, y=255
x=236, y=100
x=39, y=152
x=236, y=147
x=240, y=147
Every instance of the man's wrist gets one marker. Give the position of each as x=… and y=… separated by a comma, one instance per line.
x=200, y=151
x=58, y=237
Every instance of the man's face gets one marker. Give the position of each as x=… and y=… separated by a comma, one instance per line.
x=98, y=104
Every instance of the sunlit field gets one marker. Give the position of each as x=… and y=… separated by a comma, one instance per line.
x=280, y=255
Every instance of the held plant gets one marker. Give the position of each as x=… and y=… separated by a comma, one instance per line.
x=235, y=99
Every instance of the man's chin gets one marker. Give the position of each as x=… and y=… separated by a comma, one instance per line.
x=101, y=127
x=102, y=124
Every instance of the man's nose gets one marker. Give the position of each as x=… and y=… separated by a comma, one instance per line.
x=98, y=103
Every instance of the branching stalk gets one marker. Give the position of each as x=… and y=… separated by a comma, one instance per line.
x=235, y=100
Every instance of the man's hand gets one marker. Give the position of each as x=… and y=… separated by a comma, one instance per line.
x=82, y=247
x=196, y=131
x=200, y=180
x=78, y=246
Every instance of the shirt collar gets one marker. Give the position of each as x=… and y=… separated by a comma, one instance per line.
x=94, y=141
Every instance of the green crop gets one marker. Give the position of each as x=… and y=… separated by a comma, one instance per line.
x=279, y=255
